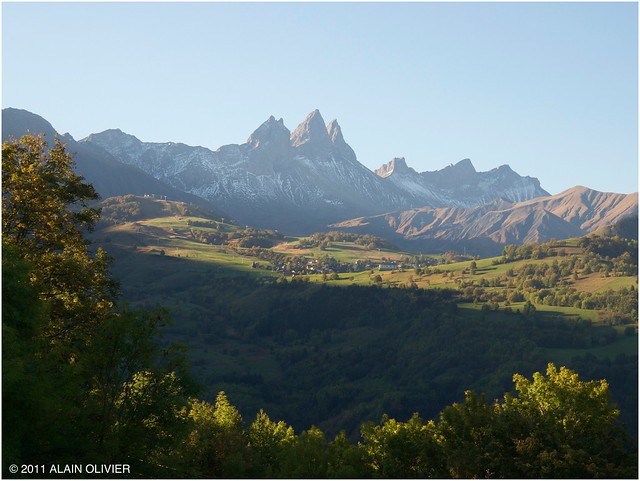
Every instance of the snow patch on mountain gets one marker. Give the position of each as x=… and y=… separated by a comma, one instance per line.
x=308, y=176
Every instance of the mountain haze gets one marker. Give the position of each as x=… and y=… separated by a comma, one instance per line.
x=487, y=228
x=302, y=180
x=460, y=185
x=109, y=176
x=305, y=180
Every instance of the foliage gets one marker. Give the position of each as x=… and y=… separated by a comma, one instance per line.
x=403, y=450
x=44, y=214
x=216, y=443
x=322, y=240
x=89, y=375
x=564, y=427
x=554, y=426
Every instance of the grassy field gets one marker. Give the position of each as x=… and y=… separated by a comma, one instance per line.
x=173, y=236
x=342, y=251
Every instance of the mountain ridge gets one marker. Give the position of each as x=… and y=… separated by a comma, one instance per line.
x=308, y=180
x=575, y=212
x=109, y=176
x=304, y=180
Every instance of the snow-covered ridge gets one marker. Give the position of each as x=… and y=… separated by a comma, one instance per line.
x=309, y=176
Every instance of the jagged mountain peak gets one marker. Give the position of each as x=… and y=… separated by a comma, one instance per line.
x=396, y=165
x=337, y=139
x=464, y=166
x=335, y=133
x=304, y=178
x=312, y=130
x=270, y=131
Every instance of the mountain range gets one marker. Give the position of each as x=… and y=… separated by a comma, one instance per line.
x=309, y=177
x=304, y=180
x=487, y=228
x=109, y=176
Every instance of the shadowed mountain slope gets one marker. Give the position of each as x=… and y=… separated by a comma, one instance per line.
x=488, y=228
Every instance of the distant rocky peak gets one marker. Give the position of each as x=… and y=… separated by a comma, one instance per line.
x=396, y=165
x=505, y=168
x=271, y=131
x=113, y=136
x=464, y=166
x=312, y=131
x=335, y=133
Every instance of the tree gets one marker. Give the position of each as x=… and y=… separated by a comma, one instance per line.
x=528, y=309
x=216, y=445
x=564, y=427
x=402, y=450
x=39, y=186
x=267, y=441
x=470, y=440
x=44, y=217
x=88, y=375
x=345, y=460
x=151, y=420
x=473, y=266
x=306, y=457
x=33, y=386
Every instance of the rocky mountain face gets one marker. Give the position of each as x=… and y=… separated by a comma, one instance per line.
x=301, y=181
x=459, y=185
x=305, y=180
x=109, y=176
x=297, y=181
x=488, y=228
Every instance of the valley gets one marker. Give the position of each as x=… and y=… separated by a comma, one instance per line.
x=332, y=320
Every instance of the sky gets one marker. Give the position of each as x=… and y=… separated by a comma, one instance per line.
x=549, y=88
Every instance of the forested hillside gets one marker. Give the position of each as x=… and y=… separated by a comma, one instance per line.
x=334, y=319
x=103, y=383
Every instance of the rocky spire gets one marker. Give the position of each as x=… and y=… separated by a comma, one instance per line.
x=311, y=135
x=271, y=140
x=271, y=131
x=465, y=166
x=335, y=134
x=397, y=165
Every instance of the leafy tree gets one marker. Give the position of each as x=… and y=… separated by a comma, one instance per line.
x=151, y=419
x=402, y=450
x=39, y=186
x=268, y=441
x=564, y=427
x=345, y=460
x=473, y=267
x=217, y=443
x=33, y=387
x=88, y=375
x=306, y=456
x=470, y=440
x=528, y=309
x=44, y=215
x=127, y=370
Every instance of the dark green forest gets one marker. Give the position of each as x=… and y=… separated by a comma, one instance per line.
x=88, y=378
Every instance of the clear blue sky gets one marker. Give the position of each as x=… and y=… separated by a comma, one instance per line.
x=548, y=88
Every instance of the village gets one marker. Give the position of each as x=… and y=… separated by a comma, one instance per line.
x=326, y=265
